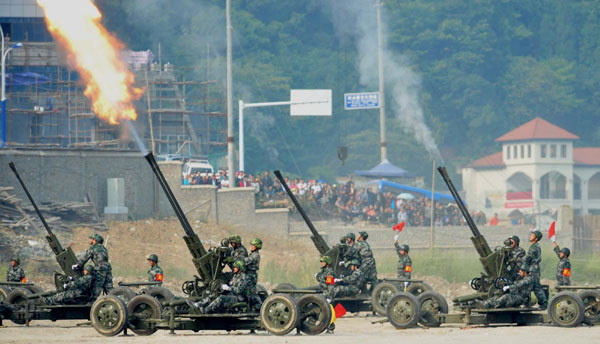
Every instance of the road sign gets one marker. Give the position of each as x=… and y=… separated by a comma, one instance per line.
x=359, y=101
x=310, y=102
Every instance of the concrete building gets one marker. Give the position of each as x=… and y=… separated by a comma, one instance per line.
x=538, y=169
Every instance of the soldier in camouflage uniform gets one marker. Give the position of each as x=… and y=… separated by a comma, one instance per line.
x=238, y=291
x=517, y=255
x=155, y=274
x=238, y=251
x=74, y=291
x=515, y=295
x=352, y=251
x=368, y=264
x=533, y=260
x=563, y=269
x=404, y=262
x=325, y=277
x=348, y=286
x=15, y=273
x=102, y=268
x=252, y=263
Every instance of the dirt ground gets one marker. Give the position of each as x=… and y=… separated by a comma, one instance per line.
x=349, y=330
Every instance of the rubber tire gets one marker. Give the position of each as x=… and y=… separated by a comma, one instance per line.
x=594, y=316
x=154, y=305
x=412, y=302
x=161, y=294
x=34, y=289
x=3, y=293
x=418, y=288
x=574, y=299
x=17, y=295
x=124, y=293
x=306, y=323
x=442, y=307
x=121, y=309
x=377, y=305
x=292, y=308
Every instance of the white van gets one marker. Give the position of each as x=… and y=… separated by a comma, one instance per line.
x=195, y=166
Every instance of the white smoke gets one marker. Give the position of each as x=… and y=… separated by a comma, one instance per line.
x=357, y=20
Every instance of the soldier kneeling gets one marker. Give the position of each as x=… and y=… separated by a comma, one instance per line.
x=515, y=295
x=74, y=291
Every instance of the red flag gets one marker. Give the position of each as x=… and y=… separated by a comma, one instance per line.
x=552, y=230
x=340, y=311
x=399, y=227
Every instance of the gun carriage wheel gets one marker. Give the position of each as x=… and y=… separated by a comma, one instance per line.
x=109, y=315
x=140, y=308
x=431, y=304
x=18, y=298
x=279, y=314
x=566, y=309
x=418, y=288
x=3, y=293
x=403, y=310
x=161, y=294
x=591, y=304
x=381, y=295
x=124, y=293
x=315, y=314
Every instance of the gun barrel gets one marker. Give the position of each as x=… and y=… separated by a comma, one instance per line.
x=37, y=210
x=302, y=213
x=459, y=202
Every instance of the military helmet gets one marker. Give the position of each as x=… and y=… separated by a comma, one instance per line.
x=326, y=259
x=239, y=264
x=525, y=267
x=97, y=237
x=364, y=235
x=256, y=242
x=234, y=238
x=351, y=236
x=404, y=247
x=152, y=257
x=88, y=268
x=538, y=234
x=566, y=251
x=355, y=262
x=16, y=260
x=516, y=239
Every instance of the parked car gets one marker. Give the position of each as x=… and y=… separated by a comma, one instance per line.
x=194, y=166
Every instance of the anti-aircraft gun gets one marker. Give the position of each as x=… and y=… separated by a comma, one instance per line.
x=496, y=264
x=64, y=257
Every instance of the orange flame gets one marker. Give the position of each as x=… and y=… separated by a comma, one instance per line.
x=75, y=24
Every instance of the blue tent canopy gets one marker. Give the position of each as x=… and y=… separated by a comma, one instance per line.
x=385, y=170
x=437, y=196
x=26, y=79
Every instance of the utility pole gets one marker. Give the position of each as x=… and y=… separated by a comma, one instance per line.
x=230, y=143
x=378, y=5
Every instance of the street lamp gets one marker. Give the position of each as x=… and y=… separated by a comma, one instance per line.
x=4, y=54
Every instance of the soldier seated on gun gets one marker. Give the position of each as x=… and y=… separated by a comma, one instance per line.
x=15, y=273
x=155, y=274
x=238, y=251
x=352, y=250
x=75, y=291
x=515, y=295
x=563, y=269
x=348, y=286
x=325, y=277
x=102, y=268
x=236, y=291
x=517, y=255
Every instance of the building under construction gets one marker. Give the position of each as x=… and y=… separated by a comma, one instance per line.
x=181, y=112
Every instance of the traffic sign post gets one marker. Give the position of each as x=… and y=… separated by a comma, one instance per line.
x=361, y=101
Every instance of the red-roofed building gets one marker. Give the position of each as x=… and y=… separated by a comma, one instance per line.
x=539, y=168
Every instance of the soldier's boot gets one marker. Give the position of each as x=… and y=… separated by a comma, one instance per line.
x=331, y=328
x=195, y=307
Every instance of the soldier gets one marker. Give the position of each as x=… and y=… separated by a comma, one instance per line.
x=102, y=268
x=348, y=286
x=15, y=273
x=563, y=270
x=368, y=264
x=352, y=250
x=326, y=275
x=404, y=262
x=517, y=255
x=533, y=260
x=80, y=288
x=238, y=251
x=155, y=274
x=515, y=295
x=238, y=288
x=252, y=263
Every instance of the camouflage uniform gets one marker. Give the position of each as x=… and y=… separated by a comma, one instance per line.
x=15, y=274
x=563, y=270
x=102, y=268
x=240, y=291
x=404, y=264
x=79, y=288
x=156, y=274
x=351, y=285
x=238, y=253
x=252, y=263
x=368, y=264
x=519, y=294
x=352, y=252
x=517, y=257
x=321, y=277
x=533, y=259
